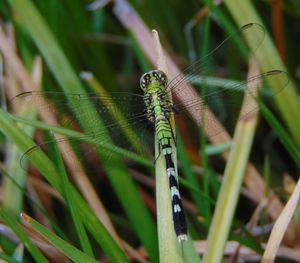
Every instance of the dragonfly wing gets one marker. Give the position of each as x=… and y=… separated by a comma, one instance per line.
x=85, y=150
x=214, y=62
x=123, y=117
x=223, y=97
x=232, y=102
x=111, y=109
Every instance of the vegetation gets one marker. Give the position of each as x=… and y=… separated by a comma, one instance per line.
x=74, y=200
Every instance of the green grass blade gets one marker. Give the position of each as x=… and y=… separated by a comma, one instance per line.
x=213, y=149
x=77, y=135
x=33, y=202
x=13, y=203
x=68, y=250
x=171, y=249
x=12, y=195
x=188, y=172
x=8, y=259
x=24, y=143
x=284, y=137
x=68, y=194
x=12, y=223
x=230, y=189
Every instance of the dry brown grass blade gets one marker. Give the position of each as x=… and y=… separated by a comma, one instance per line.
x=253, y=180
x=281, y=225
x=69, y=156
x=277, y=22
x=44, y=187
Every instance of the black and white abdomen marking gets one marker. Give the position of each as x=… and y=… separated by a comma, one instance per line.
x=177, y=208
x=165, y=135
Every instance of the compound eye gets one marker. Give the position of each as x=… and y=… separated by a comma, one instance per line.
x=144, y=81
x=161, y=77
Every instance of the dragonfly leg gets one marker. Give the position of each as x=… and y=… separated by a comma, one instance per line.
x=173, y=134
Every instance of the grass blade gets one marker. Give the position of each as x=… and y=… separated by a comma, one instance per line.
x=281, y=133
x=8, y=259
x=230, y=189
x=68, y=194
x=40, y=160
x=56, y=60
x=67, y=249
x=170, y=248
x=280, y=226
x=35, y=253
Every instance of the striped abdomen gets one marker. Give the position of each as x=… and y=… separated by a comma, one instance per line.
x=159, y=108
x=164, y=134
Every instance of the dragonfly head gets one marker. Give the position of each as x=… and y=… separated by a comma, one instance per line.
x=153, y=80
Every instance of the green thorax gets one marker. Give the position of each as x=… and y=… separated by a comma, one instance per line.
x=156, y=99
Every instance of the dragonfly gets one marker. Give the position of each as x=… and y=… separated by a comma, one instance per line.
x=124, y=114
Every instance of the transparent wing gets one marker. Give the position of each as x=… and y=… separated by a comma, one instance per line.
x=123, y=115
x=215, y=61
x=110, y=108
x=210, y=75
x=225, y=101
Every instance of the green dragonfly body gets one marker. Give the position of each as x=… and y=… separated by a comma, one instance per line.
x=159, y=108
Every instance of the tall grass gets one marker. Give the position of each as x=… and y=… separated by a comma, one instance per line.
x=111, y=213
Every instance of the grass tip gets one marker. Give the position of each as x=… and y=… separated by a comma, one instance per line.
x=24, y=217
